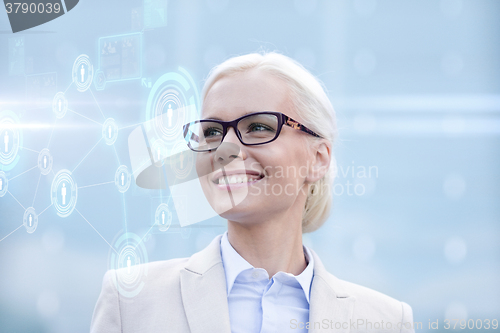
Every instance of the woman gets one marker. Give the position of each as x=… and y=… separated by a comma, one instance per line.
x=266, y=135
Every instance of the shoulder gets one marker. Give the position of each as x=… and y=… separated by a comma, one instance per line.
x=166, y=273
x=145, y=280
x=165, y=270
x=368, y=308
x=122, y=300
x=371, y=305
x=149, y=291
x=154, y=276
x=368, y=297
x=365, y=303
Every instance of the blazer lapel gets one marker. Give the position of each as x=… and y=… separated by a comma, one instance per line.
x=204, y=293
x=330, y=307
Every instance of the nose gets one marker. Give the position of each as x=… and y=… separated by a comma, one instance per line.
x=225, y=154
x=228, y=150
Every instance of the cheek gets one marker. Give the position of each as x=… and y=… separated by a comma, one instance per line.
x=287, y=166
x=203, y=164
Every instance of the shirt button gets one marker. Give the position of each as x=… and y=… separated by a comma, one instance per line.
x=255, y=274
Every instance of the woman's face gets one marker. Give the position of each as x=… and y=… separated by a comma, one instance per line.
x=276, y=171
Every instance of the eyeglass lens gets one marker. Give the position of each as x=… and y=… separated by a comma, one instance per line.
x=260, y=128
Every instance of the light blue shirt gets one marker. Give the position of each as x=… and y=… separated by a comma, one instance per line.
x=259, y=304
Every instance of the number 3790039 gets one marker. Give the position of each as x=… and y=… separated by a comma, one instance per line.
x=23, y=7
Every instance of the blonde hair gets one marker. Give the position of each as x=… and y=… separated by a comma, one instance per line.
x=310, y=101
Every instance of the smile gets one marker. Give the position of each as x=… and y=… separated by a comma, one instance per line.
x=237, y=179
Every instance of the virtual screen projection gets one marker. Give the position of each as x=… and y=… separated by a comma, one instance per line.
x=97, y=141
x=159, y=155
x=151, y=155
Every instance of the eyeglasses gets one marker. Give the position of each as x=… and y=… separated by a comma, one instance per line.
x=252, y=129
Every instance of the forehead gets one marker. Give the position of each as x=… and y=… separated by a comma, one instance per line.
x=235, y=95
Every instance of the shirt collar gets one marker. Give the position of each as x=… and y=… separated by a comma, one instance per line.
x=234, y=264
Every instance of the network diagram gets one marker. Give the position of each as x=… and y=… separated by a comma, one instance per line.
x=168, y=99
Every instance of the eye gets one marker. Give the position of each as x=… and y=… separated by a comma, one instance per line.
x=259, y=127
x=211, y=131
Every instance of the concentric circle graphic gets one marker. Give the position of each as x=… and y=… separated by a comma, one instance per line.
x=128, y=257
x=45, y=161
x=63, y=193
x=163, y=217
x=167, y=120
x=172, y=97
x=10, y=139
x=60, y=105
x=123, y=178
x=159, y=151
x=109, y=131
x=30, y=220
x=181, y=161
x=4, y=184
x=82, y=72
x=128, y=262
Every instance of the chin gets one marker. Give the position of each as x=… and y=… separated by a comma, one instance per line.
x=223, y=200
x=245, y=209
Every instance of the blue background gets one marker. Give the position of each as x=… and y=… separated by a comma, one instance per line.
x=416, y=88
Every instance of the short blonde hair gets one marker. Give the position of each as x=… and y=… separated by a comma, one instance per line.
x=311, y=103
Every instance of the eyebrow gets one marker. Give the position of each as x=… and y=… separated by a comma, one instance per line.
x=211, y=118
x=217, y=118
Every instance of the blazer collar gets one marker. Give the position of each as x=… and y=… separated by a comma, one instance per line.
x=203, y=288
x=204, y=294
x=329, y=301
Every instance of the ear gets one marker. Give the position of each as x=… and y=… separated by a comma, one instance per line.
x=320, y=160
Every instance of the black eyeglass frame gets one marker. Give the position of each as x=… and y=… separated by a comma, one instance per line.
x=282, y=120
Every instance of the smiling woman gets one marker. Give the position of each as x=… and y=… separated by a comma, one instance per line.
x=266, y=138
x=274, y=82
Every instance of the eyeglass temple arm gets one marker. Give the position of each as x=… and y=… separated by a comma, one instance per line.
x=296, y=125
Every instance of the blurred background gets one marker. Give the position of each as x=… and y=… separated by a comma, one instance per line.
x=416, y=88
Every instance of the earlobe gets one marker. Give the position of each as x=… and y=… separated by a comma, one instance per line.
x=321, y=158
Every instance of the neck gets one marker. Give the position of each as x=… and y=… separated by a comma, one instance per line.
x=275, y=245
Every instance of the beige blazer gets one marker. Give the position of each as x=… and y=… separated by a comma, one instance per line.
x=189, y=295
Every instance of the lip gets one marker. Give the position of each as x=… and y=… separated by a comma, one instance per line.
x=219, y=174
x=227, y=187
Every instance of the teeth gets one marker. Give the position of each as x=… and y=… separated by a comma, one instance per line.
x=237, y=179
